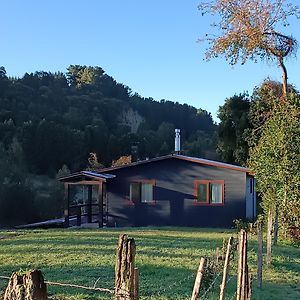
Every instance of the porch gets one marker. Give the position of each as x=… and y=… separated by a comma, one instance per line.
x=86, y=199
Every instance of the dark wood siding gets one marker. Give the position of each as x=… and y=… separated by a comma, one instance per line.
x=174, y=195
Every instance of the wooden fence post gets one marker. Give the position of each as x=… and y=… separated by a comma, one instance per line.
x=269, y=237
x=124, y=269
x=29, y=286
x=242, y=267
x=199, y=278
x=136, y=284
x=226, y=268
x=259, y=253
x=249, y=289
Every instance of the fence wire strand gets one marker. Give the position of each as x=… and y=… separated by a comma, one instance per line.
x=153, y=292
x=98, y=289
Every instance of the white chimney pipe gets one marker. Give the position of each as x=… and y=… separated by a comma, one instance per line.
x=177, y=141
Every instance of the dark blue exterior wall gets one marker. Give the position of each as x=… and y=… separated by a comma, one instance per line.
x=174, y=195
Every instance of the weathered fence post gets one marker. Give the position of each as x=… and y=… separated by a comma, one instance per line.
x=249, y=289
x=199, y=278
x=242, y=266
x=269, y=237
x=226, y=268
x=29, y=286
x=259, y=253
x=136, y=284
x=124, y=270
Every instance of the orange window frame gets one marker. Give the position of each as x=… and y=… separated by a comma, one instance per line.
x=208, y=192
x=196, y=183
x=150, y=181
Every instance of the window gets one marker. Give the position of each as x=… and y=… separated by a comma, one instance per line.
x=251, y=185
x=209, y=192
x=141, y=191
x=202, y=192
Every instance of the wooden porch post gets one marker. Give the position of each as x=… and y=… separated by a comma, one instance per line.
x=67, y=204
x=89, y=212
x=100, y=203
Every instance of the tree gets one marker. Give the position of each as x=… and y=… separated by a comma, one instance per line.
x=249, y=30
x=263, y=103
x=234, y=120
x=93, y=163
x=2, y=72
x=83, y=75
x=123, y=160
x=3, y=81
x=276, y=161
x=16, y=197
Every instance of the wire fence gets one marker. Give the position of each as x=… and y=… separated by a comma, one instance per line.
x=149, y=290
x=70, y=285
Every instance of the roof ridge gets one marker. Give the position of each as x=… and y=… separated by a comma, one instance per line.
x=182, y=157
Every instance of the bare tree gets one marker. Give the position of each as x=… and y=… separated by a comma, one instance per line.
x=249, y=30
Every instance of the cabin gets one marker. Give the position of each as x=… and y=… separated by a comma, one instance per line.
x=171, y=190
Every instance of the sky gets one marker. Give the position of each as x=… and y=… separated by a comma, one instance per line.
x=149, y=45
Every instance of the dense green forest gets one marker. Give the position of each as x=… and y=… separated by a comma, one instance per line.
x=50, y=121
x=60, y=118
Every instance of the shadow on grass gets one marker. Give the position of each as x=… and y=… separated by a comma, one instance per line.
x=276, y=291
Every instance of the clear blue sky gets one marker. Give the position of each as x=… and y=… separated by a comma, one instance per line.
x=149, y=45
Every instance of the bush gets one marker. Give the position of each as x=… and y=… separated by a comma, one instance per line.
x=244, y=224
x=16, y=204
x=294, y=233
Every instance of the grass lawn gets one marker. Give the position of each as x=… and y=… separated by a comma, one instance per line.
x=167, y=258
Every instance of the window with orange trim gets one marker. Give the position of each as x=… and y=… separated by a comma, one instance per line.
x=141, y=191
x=209, y=192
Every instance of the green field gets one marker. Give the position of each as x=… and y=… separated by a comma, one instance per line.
x=167, y=258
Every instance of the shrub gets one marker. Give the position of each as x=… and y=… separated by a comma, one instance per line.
x=16, y=204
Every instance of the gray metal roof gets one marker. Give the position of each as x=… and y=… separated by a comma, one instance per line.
x=186, y=158
x=98, y=175
x=212, y=162
x=91, y=174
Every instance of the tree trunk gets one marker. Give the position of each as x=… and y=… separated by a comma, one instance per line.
x=284, y=77
x=259, y=254
x=29, y=286
x=269, y=237
x=275, y=227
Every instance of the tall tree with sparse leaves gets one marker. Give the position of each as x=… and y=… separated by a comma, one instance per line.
x=249, y=29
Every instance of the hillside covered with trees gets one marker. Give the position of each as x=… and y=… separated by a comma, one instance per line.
x=50, y=120
x=60, y=118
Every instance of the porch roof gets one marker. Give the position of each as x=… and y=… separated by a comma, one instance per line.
x=86, y=175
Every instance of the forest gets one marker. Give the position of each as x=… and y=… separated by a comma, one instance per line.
x=50, y=123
